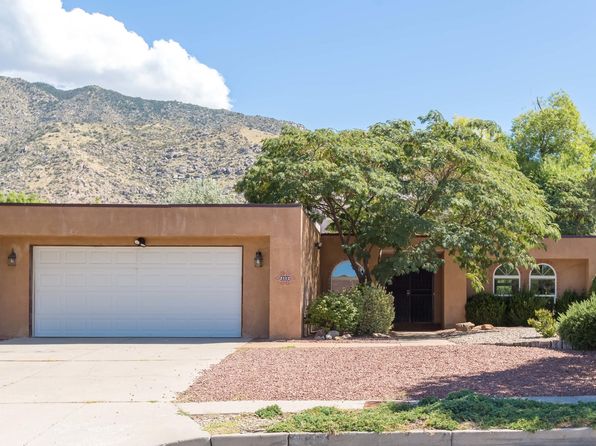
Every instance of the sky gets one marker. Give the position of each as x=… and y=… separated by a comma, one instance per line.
x=333, y=63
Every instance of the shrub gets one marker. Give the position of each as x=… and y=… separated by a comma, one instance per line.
x=376, y=309
x=486, y=308
x=593, y=287
x=578, y=325
x=544, y=323
x=566, y=299
x=522, y=305
x=333, y=311
x=269, y=412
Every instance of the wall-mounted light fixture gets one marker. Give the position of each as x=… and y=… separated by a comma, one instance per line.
x=258, y=259
x=12, y=258
x=140, y=242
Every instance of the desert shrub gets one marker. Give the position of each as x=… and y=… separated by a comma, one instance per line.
x=269, y=412
x=544, y=323
x=578, y=325
x=566, y=299
x=486, y=308
x=522, y=305
x=333, y=311
x=593, y=287
x=376, y=310
x=202, y=191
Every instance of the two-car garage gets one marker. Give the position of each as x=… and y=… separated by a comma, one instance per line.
x=137, y=292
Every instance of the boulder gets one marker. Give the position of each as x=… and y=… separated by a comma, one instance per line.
x=487, y=327
x=333, y=333
x=464, y=326
x=328, y=337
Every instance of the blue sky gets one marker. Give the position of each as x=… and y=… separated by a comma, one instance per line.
x=346, y=64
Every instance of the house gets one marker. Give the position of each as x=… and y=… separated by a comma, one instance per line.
x=212, y=271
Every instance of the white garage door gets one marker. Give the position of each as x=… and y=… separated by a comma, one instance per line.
x=153, y=291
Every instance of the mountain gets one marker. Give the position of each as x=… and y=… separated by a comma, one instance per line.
x=92, y=145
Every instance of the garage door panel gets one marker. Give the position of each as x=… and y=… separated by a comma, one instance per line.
x=102, y=291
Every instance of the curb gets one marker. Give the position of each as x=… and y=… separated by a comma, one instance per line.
x=583, y=436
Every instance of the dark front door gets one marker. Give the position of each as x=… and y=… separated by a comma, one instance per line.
x=413, y=297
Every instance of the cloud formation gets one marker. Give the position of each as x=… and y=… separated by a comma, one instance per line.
x=41, y=41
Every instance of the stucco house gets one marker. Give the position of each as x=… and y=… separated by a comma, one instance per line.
x=214, y=271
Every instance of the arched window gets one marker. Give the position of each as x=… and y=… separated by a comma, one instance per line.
x=505, y=280
x=343, y=276
x=543, y=281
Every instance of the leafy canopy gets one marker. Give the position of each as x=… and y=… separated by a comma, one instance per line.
x=558, y=152
x=411, y=190
x=203, y=191
x=19, y=197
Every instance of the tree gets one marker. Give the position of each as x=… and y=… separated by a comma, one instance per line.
x=203, y=191
x=558, y=152
x=451, y=186
x=19, y=197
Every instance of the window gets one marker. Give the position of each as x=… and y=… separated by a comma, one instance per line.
x=343, y=276
x=543, y=281
x=505, y=280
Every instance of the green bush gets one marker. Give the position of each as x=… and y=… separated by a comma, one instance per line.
x=593, y=287
x=333, y=311
x=269, y=412
x=375, y=307
x=566, y=299
x=486, y=308
x=544, y=323
x=522, y=305
x=578, y=325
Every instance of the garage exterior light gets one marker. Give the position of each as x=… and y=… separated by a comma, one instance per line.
x=141, y=242
x=258, y=259
x=12, y=258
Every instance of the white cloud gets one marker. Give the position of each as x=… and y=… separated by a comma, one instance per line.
x=41, y=41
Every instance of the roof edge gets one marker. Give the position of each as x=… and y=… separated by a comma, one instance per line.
x=150, y=205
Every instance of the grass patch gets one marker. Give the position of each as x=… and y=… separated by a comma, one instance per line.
x=459, y=410
x=269, y=412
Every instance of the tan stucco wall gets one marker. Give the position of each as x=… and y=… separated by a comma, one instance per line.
x=268, y=307
x=574, y=260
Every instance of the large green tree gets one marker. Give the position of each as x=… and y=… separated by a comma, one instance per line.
x=558, y=152
x=415, y=191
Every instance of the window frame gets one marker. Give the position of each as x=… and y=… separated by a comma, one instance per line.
x=511, y=277
x=542, y=277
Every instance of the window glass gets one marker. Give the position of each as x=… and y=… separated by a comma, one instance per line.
x=343, y=276
x=543, y=281
x=505, y=280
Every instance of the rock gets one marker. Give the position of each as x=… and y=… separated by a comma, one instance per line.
x=320, y=333
x=347, y=336
x=381, y=335
x=333, y=333
x=464, y=326
x=328, y=336
x=319, y=338
x=487, y=327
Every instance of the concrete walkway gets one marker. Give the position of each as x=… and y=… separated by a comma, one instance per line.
x=100, y=391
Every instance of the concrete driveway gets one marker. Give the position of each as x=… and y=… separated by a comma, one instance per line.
x=100, y=391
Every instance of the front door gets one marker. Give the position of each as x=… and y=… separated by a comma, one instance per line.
x=413, y=297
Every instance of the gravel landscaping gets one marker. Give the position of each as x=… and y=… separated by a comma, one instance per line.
x=394, y=372
x=500, y=335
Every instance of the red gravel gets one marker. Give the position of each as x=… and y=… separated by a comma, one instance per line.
x=360, y=373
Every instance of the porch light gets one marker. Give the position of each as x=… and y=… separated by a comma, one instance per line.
x=12, y=258
x=258, y=259
x=140, y=242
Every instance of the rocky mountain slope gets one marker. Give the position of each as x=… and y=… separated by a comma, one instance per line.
x=93, y=145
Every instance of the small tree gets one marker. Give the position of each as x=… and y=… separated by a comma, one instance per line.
x=203, y=191
x=453, y=186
